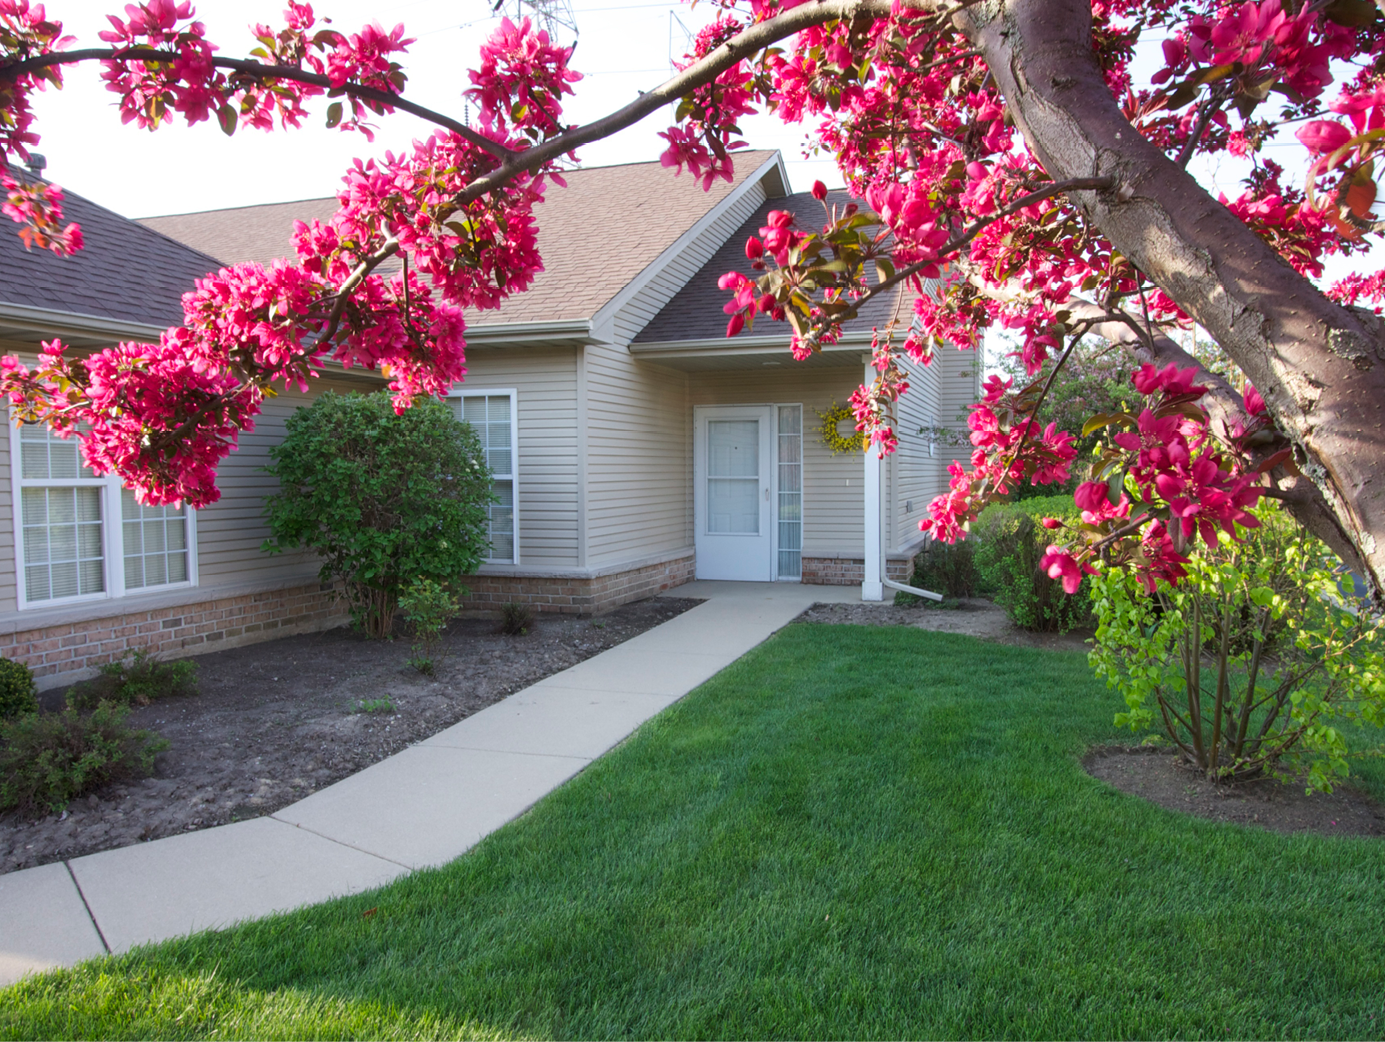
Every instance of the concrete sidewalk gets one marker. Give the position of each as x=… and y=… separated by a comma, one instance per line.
x=421, y=807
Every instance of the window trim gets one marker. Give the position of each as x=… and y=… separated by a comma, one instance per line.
x=463, y=391
x=112, y=537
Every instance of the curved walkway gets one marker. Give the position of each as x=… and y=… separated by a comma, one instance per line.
x=421, y=807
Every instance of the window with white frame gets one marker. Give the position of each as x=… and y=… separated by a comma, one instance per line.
x=70, y=525
x=492, y=415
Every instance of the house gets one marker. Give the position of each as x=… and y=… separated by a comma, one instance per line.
x=634, y=446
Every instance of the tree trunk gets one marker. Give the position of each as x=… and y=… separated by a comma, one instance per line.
x=1319, y=366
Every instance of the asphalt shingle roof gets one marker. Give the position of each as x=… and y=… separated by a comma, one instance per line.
x=595, y=235
x=125, y=271
x=695, y=312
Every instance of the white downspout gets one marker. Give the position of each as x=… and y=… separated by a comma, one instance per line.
x=872, y=586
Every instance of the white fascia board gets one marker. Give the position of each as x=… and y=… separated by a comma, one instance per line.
x=603, y=322
x=579, y=330
x=743, y=345
x=44, y=320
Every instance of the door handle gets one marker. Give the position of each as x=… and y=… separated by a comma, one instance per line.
x=766, y=493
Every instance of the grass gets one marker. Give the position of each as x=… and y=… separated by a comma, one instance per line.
x=852, y=832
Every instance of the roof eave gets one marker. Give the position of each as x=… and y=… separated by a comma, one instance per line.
x=851, y=340
x=68, y=323
x=531, y=334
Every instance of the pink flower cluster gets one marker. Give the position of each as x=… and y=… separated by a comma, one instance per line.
x=164, y=415
x=522, y=80
x=707, y=136
x=1187, y=487
x=38, y=209
x=25, y=32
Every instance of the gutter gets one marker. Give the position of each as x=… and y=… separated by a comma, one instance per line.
x=742, y=345
x=42, y=320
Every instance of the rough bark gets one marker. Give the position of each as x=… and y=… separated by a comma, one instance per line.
x=1320, y=366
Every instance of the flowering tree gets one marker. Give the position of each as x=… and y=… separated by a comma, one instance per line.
x=1000, y=147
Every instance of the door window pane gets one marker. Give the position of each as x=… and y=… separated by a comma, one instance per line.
x=733, y=477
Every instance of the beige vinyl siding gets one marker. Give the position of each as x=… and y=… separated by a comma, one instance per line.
x=832, y=485
x=231, y=531
x=959, y=386
x=545, y=382
x=917, y=476
x=640, y=310
x=639, y=446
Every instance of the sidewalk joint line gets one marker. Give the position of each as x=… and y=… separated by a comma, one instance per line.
x=341, y=843
x=87, y=905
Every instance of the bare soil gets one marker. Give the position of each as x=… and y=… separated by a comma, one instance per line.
x=971, y=616
x=1164, y=778
x=276, y=721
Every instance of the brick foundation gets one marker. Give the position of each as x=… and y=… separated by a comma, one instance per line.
x=848, y=571
x=588, y=595
x=187, y=629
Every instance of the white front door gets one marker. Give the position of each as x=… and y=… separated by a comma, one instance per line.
x=732, y=478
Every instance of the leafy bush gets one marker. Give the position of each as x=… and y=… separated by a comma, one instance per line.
x=49, y=759
x=18, y=692
x=947, y=568
x=1253, y=663
x=382, y=498
x=429, y=606
x=1010, y=541
x=137, y=679
x=515, y=619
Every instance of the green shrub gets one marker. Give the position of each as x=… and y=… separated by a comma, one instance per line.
x=49, y=759
x=18, y=692
x=1253, y=664
x=429, y=606
x=1010, y=541
x=515, y=619
x=136, y=679
x=382, y=498
x=373, y=705
x=947, y=568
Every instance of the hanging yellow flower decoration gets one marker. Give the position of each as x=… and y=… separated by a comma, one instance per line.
x=831, y=430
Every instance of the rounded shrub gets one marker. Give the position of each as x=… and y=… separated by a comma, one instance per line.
x=18, y=692
x=1010, y=542
x=386, y=499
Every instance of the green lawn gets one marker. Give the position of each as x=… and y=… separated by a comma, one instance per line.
x=852, y=832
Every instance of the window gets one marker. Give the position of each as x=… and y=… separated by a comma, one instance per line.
x=64, y=537
x=790, y=458
x=492, y=415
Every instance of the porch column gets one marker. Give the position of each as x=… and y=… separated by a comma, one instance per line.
x=872, y=589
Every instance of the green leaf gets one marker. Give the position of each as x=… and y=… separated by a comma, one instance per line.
x=226, y=116
x=334, y=113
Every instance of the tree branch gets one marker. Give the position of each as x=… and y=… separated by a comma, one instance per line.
x=743, y=45
x=952, y=246
x=258, y=71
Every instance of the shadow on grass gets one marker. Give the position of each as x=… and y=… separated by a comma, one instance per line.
x=851, y=832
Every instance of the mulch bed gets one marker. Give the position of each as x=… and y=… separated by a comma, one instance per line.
x=1166, y=779
x=275, y=721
